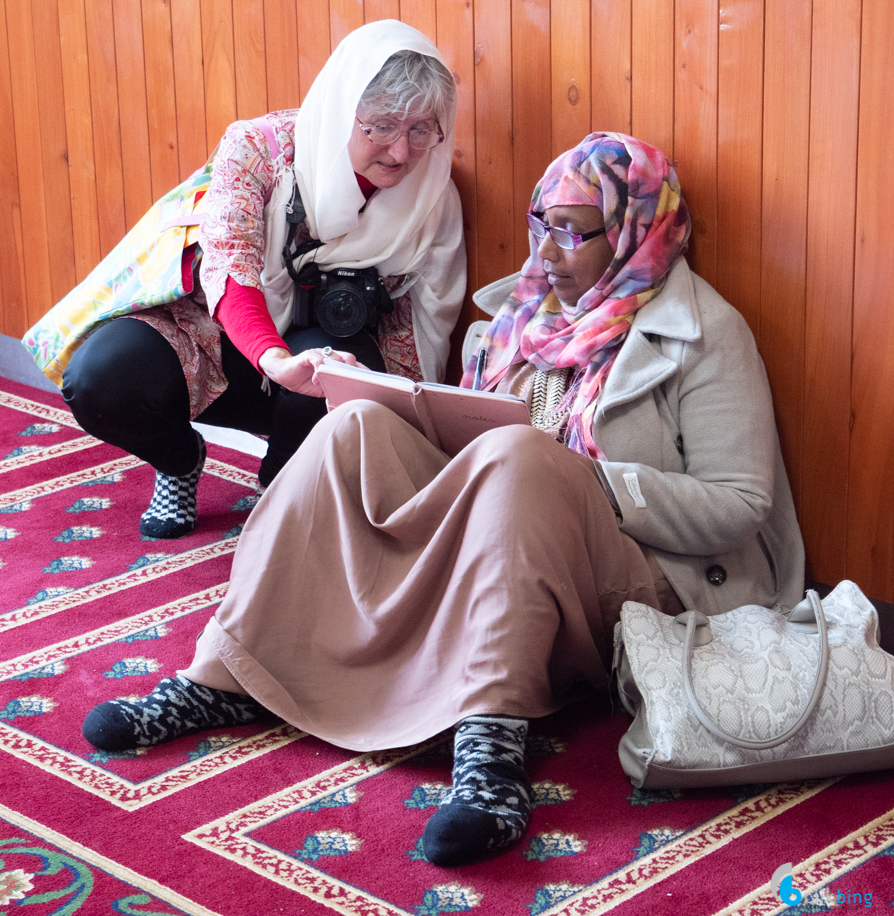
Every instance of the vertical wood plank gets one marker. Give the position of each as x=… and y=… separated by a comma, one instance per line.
x=611, y=24
x=314, y=40
x=652, y=74
x=219, y=69
x=189, y=86
x=421, y=15
x=137, y=147
x=374, y=10
x=494, y=145
x=28, y=145
x=344, y=17
x=281, y=55
x=456, y=42
x=531, y=97
x=870, y=539
x=834, y=95
x=13, y=304
x=784, y=218
x=106, y=123
x=249, y=52
x=79, y=136
x=695, y=126
x=739, y=127
x=45, y=25
x=161, y=98
x=570, y=62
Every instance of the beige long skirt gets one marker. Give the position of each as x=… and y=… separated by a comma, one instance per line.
x=381, y=592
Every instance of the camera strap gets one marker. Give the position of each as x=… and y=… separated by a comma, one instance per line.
x=295, y=216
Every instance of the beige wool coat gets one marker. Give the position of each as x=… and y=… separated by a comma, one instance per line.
x=692, y=462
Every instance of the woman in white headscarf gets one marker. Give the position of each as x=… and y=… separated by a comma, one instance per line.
x=369, y=153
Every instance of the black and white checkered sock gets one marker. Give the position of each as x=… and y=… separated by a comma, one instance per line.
x=176, y=707
x=490, y=803
x=172, y=511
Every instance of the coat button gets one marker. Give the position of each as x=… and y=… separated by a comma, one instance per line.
x=716, y=575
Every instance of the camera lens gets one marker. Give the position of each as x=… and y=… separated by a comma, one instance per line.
x=341, y=311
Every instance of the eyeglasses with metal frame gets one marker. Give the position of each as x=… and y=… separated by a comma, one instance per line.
x=564, y=238
x=384, y=133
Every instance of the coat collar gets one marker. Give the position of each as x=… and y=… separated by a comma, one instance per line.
x=640, y=365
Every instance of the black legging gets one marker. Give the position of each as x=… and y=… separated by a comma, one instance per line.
x=125, y=386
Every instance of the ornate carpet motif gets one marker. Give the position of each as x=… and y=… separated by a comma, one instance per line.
x=265, y=819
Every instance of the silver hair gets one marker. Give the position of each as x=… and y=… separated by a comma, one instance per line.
x=410, y=83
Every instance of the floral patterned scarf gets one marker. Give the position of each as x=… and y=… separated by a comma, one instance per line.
x=648, y=227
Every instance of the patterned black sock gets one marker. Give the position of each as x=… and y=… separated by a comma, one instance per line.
x=176, y=707
x=490, y=803
x=172, y=511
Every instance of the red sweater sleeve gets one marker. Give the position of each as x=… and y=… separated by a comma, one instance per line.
x=242, y=313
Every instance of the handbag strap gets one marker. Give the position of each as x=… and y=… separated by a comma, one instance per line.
x=747, y=743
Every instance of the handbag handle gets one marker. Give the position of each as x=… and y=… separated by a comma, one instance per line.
x=748, y=743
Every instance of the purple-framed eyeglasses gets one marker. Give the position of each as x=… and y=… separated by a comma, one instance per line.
x=562, y=237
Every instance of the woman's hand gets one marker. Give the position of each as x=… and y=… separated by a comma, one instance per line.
x=299, y=373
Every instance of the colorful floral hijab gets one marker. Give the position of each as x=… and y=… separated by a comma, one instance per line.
x=648, y=226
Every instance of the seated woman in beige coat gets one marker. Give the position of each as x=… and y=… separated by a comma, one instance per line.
x=382, y=592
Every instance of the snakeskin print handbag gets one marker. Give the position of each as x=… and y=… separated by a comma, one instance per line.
x=754, y=695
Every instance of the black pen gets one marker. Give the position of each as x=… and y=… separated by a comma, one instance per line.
x=479, y=369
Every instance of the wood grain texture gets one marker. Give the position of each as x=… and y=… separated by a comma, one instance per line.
x=13, y=303
x=219, y=68
x=531, y=95
x=51, y=111
x=835, y=87
x=570, y=73
x=79, y=136
x=739, y=135
x=249, y=56
x=611, y=45
x=784, y=219
x=652, y=74
x=695, y=126
x=281, y=54
x=776, y=111
x=134, y=69
x=28, y=147
x=870, y=543
x=189, y=86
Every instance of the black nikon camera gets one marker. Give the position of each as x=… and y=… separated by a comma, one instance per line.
x=342, y=301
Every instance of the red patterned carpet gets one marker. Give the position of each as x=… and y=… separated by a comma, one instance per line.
x=265, y=819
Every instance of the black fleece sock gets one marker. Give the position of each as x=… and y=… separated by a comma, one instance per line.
x=490, y=803
x=172, y=511
x=176, y=707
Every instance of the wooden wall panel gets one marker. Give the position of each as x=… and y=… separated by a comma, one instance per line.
x=13, y=303
x=51, y=112
x=570, y=74
x=739, y=131
x=79, y=136
x=249, y=49
x=870, y=539
x=141, y=152
x=775, y=112
x=281, y=54
x=834, y=94
x=219, y=68
x=652, y=45
x=611, y=75
x=784, y=217
x=532, y=146
x=29, y=145
x=494, y=141
x=193, y=144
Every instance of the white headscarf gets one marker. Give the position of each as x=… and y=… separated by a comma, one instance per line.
x=399, y=225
